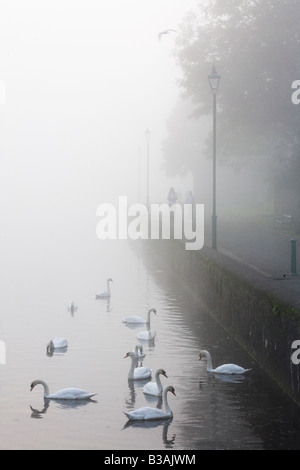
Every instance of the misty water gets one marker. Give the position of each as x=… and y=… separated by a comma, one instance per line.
x=210, y=412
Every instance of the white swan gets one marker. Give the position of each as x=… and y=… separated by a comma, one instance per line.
x=155, y=388
x=137, y=319
x=105, y=294
x=139, y=351
x=224, y=369
x=148, y=413
x=57, y=343
x=136, y=373
x=72, y=306
x=146, y=335
x=64, y=394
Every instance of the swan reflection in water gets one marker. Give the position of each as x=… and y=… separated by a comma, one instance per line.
x=64, y=404
x=130, y=401
x=132, y=385
x=234, y=379
x=226, y=379
x=37, y=413
x=168, y=443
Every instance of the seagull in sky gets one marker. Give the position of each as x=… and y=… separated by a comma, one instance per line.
x=166, y=31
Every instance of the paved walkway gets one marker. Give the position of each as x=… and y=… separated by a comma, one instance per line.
x=261, y=248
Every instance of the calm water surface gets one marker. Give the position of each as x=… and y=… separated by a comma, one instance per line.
x=210, y=412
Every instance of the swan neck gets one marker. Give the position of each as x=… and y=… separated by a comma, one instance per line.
x=209, y=361
x=131, y=370
x=46, y=388
x=158, y=381
x=166, y=404
x=148, y=316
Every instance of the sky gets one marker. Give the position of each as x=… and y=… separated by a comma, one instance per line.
x=80, y=82
x=83, y=81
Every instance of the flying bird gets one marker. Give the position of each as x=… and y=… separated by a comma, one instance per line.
x=166, y=31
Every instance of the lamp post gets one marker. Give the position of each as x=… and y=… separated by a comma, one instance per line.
x=147, y=134
x=214, y=80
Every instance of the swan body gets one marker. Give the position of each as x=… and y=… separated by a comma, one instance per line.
x=137, y=319
x=72, y=306
x=146, y=335
x=105, y=294
x=57, y=343
x=149, y=413
x=139, y=352
x=224, y=369
x=63, y=394
x=137, y=373
x=155, y=388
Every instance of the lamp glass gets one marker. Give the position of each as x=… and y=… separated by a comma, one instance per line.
x=214, y=79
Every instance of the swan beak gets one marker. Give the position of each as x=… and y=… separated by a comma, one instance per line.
x=125, y=356
x=31, y=388
x=200, y=357
x=173, y=391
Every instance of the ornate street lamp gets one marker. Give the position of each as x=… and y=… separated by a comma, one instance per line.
x=214, y=80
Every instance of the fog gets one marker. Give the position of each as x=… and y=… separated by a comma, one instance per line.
x=81, y=81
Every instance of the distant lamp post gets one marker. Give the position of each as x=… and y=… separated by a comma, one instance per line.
x=214, y=80
x=147, y=134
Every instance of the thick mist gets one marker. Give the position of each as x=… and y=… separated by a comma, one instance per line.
x=81, y=81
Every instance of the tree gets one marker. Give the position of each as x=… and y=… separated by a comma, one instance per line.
x=255, y=46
